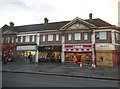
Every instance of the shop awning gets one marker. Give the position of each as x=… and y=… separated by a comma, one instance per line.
x=78, y=48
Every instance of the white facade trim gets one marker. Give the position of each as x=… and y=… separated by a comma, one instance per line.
x=100, y=30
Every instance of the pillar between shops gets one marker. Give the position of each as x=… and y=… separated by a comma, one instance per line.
x=36, y=56
x=93, y=46
x=63, y=53
x=37, y=52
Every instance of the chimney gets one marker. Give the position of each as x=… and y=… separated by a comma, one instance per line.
x=11, y=24
x=46, y=20
x=90, y=16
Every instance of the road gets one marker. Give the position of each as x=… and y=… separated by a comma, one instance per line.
x=37, y=80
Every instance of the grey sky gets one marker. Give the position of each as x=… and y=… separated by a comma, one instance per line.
x=24, y=12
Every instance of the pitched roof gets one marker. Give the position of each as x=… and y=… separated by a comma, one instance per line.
x=41, y=27
x=98, y=22
x=56, y=25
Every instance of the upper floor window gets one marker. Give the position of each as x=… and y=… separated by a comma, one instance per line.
x=77, y=36
x=43, y=37
x=33, y=38
x=102, y=35
x=12, y=39
x=16, y=39
x=27, y=38
x=85, y=36
x=117, y=36
x=69, y=36
x=57, y=37
x=7, y=39
x=50, y=37
x=21, y=39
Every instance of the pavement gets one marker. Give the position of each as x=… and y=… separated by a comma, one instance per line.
x=64, y=69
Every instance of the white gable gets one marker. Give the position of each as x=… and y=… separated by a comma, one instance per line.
x=77, y=23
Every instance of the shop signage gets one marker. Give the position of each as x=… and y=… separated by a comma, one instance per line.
x=22, y=48
x=105, y=47
x=78, y=48
x=50, y=48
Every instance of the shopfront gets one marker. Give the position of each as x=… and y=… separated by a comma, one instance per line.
x=49, y=53
x=23, y=51
x=105, y=54
x=80, y=53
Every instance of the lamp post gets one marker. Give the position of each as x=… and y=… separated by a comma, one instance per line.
x=63, y=45
x=93, y=49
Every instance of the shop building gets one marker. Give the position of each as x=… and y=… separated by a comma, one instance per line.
x=78, y=52
x=49, y=53
x=24, y=50
x=91, y=40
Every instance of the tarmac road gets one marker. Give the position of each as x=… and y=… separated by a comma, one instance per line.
x=37, y=80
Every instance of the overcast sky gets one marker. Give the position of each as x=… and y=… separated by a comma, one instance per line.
x=24, y=12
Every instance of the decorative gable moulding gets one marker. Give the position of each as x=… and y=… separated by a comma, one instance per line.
x=78, y=26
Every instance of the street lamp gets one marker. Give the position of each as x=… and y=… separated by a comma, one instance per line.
x=93, y=48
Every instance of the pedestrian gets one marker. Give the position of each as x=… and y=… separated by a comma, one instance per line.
x=30, y=58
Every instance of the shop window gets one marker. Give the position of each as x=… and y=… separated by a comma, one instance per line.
x=69, y=36
x=43, y=37
x=57, y=37
x=77, y=36
x=102, y=35
x=50, y=37
x=85, y=36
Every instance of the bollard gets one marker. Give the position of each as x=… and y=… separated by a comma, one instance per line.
x=93, y=66
x=80, y=64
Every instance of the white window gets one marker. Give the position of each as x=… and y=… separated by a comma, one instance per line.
x=117, y=36
x=8, y=39
x=33, y=38
x=43, y=37
x=50, y=37
x=57, y=37
x=12, y=39
x=21, y=39
x=77, y=36
x=102, y=35
x=16, y=39
x=69, y=36
x=85, y=36
x=27, y=39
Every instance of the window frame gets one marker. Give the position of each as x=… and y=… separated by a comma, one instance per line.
x=57, y=37
x=85, y=36
x=33, y=38
x=21, y=39
x=43, y=37
x=69, y=36
x=50, y=37
x=77, y=36
x=102, y=36
x=27, y=38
